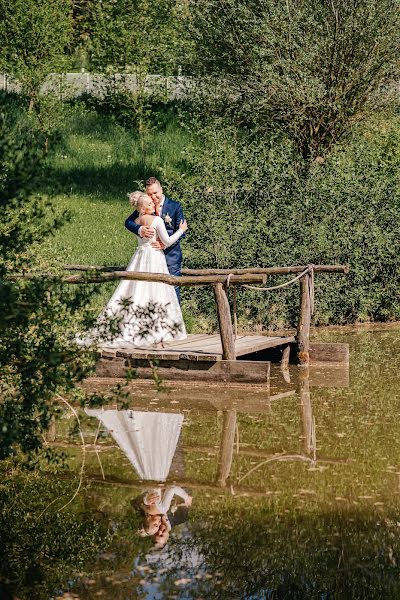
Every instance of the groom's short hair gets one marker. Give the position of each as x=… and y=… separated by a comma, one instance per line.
x=151, y=181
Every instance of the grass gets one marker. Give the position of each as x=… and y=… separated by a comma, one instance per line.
x=94, y=167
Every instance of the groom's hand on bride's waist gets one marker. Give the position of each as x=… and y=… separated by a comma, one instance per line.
x=157, y=245
x=146, y=232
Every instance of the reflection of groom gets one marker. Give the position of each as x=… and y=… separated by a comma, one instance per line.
x=172, y=214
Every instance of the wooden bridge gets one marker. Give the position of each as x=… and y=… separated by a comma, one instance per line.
x=224, y=356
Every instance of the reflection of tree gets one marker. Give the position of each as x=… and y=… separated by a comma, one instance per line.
x=332, y=554
x=42, y=548
x=252, y=550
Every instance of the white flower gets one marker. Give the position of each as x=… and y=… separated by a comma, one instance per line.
x=168, y=219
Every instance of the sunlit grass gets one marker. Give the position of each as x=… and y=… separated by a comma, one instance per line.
x=95, y=166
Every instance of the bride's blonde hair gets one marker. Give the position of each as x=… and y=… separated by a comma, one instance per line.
x=138, y=199
x=134, y=197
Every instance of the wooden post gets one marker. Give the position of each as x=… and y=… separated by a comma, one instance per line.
x=51, y=433
x=303, y=326
x=307, y=413
x=226, y=447
x=225, y=323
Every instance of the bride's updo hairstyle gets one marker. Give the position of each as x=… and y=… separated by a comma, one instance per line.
x=134, y=197
x=138, y=200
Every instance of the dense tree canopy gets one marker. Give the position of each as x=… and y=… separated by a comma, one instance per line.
x=34, y=40
x=310, y=68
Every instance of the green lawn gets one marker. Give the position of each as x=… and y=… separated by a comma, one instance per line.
x=98, y=163
x=95, y=166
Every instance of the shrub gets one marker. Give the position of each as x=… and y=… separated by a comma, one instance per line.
x=251, y=203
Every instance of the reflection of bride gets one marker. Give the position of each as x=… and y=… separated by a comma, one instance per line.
x=137, y=326
x=148, y=439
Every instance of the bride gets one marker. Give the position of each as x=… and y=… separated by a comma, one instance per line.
x=148, y=312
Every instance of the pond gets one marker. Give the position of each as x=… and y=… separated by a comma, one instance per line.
x=284, y=491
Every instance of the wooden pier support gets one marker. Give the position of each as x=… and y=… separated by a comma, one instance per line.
x=303, y=326
x=307, y=418
x=224, y=322
x=226, y=449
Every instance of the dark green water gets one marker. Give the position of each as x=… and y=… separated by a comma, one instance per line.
x=295, y=490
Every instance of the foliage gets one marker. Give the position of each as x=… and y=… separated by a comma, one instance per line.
x=129, y=41
x=140, y=36
x=131, y=110
x=34, y=40
x=42, y=547
x=250, y=203
x=310, y=69
x=38, y=353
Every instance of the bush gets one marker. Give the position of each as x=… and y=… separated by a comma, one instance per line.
x=253, y=204
x=36, y=565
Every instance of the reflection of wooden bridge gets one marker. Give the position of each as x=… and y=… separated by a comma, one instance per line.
x=214, y=357
x=229, y=445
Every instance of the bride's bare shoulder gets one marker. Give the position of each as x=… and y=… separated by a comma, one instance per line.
x=145, y=220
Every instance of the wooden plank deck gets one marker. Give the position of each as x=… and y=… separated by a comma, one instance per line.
x=198, y=347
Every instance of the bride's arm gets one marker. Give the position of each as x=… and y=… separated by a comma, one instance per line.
x=163, y=236
x=168, y=494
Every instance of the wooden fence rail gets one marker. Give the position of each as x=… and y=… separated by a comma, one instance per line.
x=246, y=271
x=220, y=280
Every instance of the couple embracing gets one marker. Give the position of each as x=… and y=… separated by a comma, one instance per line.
x=159, y=223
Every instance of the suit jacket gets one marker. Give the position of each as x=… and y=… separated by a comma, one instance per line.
x=181, y=515
x=172, y=214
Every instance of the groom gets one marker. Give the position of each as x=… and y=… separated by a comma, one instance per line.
x=172, y=214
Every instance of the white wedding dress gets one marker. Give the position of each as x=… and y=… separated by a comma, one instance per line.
x=148, y=439
x=166, y=323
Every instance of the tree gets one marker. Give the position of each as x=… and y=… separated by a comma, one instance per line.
x=137, y=36
x=34, y=40
x=38, y=353
x=309, y=69
x=128, y=42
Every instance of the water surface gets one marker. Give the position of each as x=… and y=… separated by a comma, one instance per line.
x=295, y=488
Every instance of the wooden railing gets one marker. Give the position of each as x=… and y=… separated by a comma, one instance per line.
x=220, y=280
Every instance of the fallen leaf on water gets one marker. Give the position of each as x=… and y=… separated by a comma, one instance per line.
x=182, y=581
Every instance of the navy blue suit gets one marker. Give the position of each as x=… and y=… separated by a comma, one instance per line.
x=172, y=215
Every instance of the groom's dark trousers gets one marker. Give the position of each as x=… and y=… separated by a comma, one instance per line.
x=172, y=215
